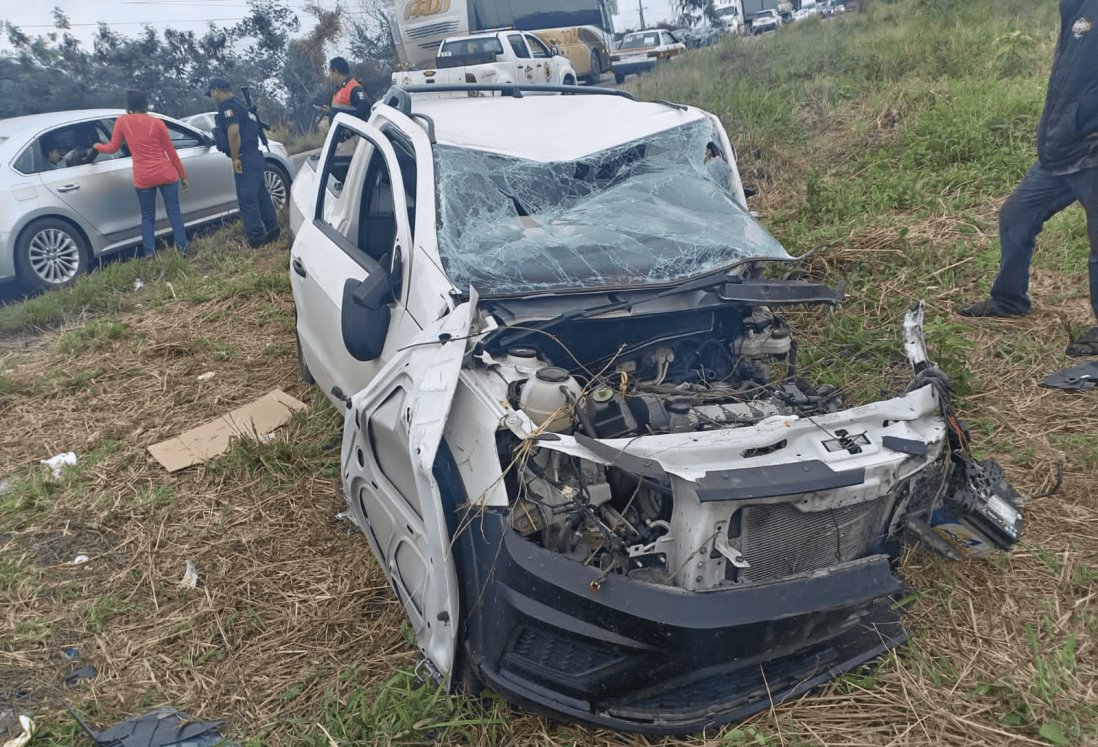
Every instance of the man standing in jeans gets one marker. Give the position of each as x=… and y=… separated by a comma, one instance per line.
x=237, y=136
x=1066, y=171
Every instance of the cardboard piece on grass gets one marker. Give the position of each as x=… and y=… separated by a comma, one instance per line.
x=253, y=420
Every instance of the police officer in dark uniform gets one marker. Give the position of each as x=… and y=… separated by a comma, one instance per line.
x=237, y=136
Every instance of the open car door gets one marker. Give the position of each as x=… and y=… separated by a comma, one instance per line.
x=390, y=438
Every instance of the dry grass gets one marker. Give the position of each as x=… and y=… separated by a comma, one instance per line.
x=291, y=614
x=293, y=625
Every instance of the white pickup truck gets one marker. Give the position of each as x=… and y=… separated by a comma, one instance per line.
x=493, y=59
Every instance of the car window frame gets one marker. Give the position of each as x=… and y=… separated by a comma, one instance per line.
x=194, y=132
x=347, y=245
x=511, y=41
x=39, y=159
x=535, y=44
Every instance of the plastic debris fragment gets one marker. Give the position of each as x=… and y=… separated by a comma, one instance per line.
x=26, y=736
x=80, y=559
x=190, y=576
x=58, y=461
x=86, y=672
x=164, y=727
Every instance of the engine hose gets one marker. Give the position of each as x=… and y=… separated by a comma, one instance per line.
x=581, y=415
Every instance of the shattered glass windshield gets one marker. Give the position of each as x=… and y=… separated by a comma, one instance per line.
x=654, y=211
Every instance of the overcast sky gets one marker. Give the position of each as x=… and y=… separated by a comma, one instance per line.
x=128, y=16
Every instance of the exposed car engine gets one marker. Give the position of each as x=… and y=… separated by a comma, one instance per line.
x=721, y=370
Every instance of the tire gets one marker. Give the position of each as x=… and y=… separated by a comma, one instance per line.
x=569, y=81
x=596, y=69
x=278, y=184
x=619, y=78
x=49, y=254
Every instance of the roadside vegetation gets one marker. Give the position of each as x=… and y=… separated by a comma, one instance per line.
x=889, y=136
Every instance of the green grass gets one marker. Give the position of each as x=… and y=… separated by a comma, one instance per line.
x=406, y=711
x=309, y=441
x=95, y=335
x=221, y=268
x=98, y=613
x=32, y=491
x=107, y=290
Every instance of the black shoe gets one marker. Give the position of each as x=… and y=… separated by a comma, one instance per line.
x=987, y=308
x=1085, y=345
x=269, y=238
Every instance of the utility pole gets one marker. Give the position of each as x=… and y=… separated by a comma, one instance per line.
x=640, y=9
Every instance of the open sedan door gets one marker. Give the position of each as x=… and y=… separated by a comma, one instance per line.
x=391, y=437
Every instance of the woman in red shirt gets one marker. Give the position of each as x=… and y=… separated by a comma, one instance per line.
x=156, y=166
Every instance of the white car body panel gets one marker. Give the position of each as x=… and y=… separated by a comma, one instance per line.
x=435, y=404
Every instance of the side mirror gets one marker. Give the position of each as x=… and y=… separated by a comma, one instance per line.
x=365, y=315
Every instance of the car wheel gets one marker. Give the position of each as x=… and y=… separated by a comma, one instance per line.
x=596, y=68
x=619, y=77
x=50, y=253
x=278, y=184
x=569, y=80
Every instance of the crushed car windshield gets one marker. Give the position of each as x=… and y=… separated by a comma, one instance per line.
x=651, y=212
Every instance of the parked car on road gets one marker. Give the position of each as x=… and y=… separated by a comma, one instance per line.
x=56, y=218
x=706, y=36
x=641, y=51
x=765, y=20
x=576, y=435
x=281, y=167
x=493, y=58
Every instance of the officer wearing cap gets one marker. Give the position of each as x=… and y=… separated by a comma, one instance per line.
x=237, y=136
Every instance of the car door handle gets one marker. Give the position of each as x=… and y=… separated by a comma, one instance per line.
x=68, y=188
x=299, y=268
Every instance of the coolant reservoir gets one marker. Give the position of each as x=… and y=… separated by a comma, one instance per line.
x=543, y=400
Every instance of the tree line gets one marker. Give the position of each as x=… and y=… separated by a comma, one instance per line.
x=286, y=69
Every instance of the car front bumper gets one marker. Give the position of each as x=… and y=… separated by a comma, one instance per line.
x=560, y=638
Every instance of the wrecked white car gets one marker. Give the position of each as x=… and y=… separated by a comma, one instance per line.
x=576, y=437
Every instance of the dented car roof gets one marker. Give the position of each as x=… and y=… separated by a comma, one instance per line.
x=549, y=128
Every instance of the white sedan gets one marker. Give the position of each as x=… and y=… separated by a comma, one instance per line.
x=62, y=204
x=576, y=437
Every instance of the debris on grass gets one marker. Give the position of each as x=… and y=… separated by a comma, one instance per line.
x=23, y=739
x=55, y=463
x=254, y=420
x=86, y=672
x=80, y=559
x=163, y=727
x=1074, y=379
x=190, y=576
